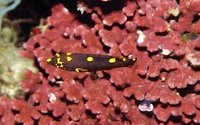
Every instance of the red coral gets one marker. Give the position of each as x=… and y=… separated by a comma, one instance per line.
x=72, y=90
x=96, y=94
x=194, y=58
x=166, y=72
x=114, y=17
x=109, y=38
x=130, y=8
x=7, y=117
x=187, y=106
x=162, y=114
x=197, y=102
x=162, y=92
x=27, y=113
x=181, y=80
x=196, y=119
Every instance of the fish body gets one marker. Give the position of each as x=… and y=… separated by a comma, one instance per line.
x=81, y=62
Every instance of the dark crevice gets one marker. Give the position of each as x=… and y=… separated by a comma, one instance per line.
x=92, y=115
x=161, y=33
x=196, y=18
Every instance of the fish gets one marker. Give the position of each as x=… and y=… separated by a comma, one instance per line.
x=81, y=62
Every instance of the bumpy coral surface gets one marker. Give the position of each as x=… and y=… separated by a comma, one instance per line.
x=162, y=87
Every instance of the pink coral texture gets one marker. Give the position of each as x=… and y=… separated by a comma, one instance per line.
x=162, y=87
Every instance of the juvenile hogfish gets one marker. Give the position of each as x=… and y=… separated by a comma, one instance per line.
x=81, y=62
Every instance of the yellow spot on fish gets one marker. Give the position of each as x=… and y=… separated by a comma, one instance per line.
x=134, y=59
x=124, y=59
x=58, y=60
x=69, y=58
x=68, y=54
x=112, y=60
x=59, y=63
x=48, y=60
x=90, y=59
x=57, y=55
x=81, y=70
x=177, y=93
